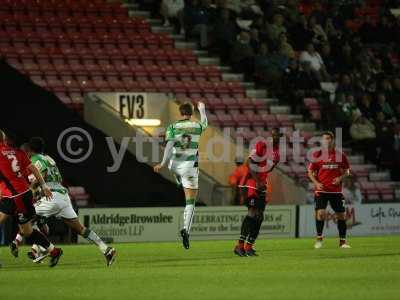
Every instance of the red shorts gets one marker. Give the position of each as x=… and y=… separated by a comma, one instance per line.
x=20, y=206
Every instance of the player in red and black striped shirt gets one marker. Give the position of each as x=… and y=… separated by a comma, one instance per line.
x=326, y=171
x=262, y=160
x=16, y=199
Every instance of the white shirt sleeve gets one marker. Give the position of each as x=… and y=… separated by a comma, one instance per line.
x=203, y=118
x=167, y=152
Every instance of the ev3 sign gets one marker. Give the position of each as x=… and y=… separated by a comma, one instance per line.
x=132, y=105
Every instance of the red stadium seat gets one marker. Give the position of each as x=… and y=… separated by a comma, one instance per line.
x=154, y=73
x=259, y=103
x=230, y=103
x=256, y=119
x=388, y=197
x=183, y=72
x=53, y=81
x=148, y=86
x=122, y=68
x=178, y=88
x=367, y=185
x=39, y=80
x=30, y=65
x=385, y=188
x=162, y=86
x=270, y=120
x=225, y=120
x=193, y=89
x=215, y=103
x=373, y=195
x=100, y=83
x=359, y=170
x=169, y=73
x=284, y=120
x=245, y=103
x=213, y=74
x=115, y=83
x=246, y=134
x=198, y=73
x=311, y=103
x=62, y=68
x=87, y=85
x=69, y=82
x=241, y=120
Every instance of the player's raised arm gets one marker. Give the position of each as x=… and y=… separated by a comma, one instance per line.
x=39, y=178
x=203, y=117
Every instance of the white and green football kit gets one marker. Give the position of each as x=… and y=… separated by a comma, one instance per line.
x=184, y=161
x=182, y=151
x=60, y=206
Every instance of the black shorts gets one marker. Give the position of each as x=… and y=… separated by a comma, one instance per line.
x=20, y=206
x=257, y=202
x=336, y=201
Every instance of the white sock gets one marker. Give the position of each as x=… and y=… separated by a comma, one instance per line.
x=188, y=217
x=90, y=235
x=38, y=250
x=18, y=239
x=50, y=248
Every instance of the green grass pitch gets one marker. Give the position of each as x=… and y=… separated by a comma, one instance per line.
x=285, y=269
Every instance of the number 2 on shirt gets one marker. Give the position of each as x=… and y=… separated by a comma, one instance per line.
x=14, y=164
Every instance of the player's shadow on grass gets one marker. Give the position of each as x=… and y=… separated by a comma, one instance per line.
x=181, y=262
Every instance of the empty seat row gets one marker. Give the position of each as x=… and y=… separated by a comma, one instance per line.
x=63, y=9
x=242, y=103
x=140, y=38
x=69, y=2
x=132, y=58
x=247, y=119
x=95, y=70
x=25, y=23
x=152, y=72
x=115, y=83
x=110, y=52
x=385, y=186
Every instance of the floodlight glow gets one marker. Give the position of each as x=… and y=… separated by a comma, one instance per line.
x=144, y=122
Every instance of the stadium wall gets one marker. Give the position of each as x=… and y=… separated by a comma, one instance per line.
x=362, y=220
x=162, y=224
x=223, y=222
